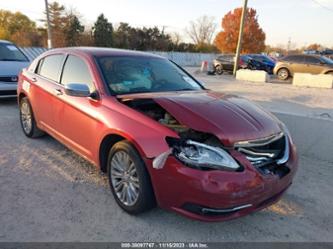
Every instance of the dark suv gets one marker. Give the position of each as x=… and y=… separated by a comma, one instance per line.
x=314, y=64
x=225, y=63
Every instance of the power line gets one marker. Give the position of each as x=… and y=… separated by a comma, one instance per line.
x=321, y=5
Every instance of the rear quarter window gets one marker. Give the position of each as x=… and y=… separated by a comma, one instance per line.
x=33, y=66
x=312, y=60
x=50, y=67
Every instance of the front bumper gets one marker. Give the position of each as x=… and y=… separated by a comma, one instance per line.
x=8, y=89
x=217, y=195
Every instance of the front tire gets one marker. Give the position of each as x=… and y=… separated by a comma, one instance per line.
x=27, y=120
x=129, y=179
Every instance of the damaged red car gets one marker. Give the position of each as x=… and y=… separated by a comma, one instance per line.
x=158, y=133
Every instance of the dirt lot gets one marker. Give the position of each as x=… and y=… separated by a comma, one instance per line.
x=50, y=194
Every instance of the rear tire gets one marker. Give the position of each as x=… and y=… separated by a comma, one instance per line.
x=283, y=74
x=129, y=179
x=27, y=120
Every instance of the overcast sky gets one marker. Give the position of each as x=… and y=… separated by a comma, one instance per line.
x=304, y=21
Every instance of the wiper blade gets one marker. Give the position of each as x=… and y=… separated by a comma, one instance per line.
x=11, y=60
x=186, y=89
x=133, y=92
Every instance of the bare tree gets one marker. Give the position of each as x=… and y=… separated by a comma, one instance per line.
x=176, y=38
x=201, y=31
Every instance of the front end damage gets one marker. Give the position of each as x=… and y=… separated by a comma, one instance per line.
x=188, y=144
x=202, y=178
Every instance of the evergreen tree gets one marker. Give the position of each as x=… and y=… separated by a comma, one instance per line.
x=73, y=30
x=103, y=32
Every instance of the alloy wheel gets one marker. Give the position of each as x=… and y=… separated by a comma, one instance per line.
x=26, y=117
x=124, y=178
x=283, y=74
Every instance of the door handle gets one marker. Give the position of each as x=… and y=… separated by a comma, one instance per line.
x=58, y=92
x=34, y=79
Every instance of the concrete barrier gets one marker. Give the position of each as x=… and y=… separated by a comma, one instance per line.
x=313, y=80
x=252, y=75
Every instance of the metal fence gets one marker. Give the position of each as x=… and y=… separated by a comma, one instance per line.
x=181, y=58
x=186, y=58
x=33, y=52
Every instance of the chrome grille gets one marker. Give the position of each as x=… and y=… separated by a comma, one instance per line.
x=9, y=78
x=270, y=150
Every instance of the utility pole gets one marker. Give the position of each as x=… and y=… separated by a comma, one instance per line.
x=289, y=45
x=49, y=33
x=240, y=36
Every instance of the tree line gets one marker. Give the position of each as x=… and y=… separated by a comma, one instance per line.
x=68, y=30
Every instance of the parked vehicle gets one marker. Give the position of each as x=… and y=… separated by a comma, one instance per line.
x=314, y=64
x=12, y=60
x=160, y=136
x=328, y=53
x=226, y=62
x=261, y=62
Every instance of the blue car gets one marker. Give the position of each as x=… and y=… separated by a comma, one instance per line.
x=261, y=62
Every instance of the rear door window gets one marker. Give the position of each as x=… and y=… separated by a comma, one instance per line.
x=311, y=60
x=76, y=71
x=295, y=58
x=50, y=67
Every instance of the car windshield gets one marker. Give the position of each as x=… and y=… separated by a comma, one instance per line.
x=9, y=52
x=326, y=60
x=129, y=74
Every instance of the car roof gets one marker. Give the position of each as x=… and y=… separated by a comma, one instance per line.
x=306, y=55
x=4, y=41
x=100, y=52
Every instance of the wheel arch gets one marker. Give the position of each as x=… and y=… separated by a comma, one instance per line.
x=21, y=96
x=107, y=143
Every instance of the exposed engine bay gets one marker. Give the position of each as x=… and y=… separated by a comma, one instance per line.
x=151, y=109
x=154, y=111
x=194, y=148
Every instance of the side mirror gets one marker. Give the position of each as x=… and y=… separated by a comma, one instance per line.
x=77, y=90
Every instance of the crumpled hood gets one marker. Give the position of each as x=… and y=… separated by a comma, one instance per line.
x=12, y=68
x=228, y=117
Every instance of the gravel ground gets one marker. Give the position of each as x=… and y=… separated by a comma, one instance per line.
x=48, y=193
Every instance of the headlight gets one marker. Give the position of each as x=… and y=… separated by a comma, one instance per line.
x=205, y=156
x=286, y=131
x=288, y=138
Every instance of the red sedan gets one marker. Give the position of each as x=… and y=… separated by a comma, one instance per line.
x=161, y=136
